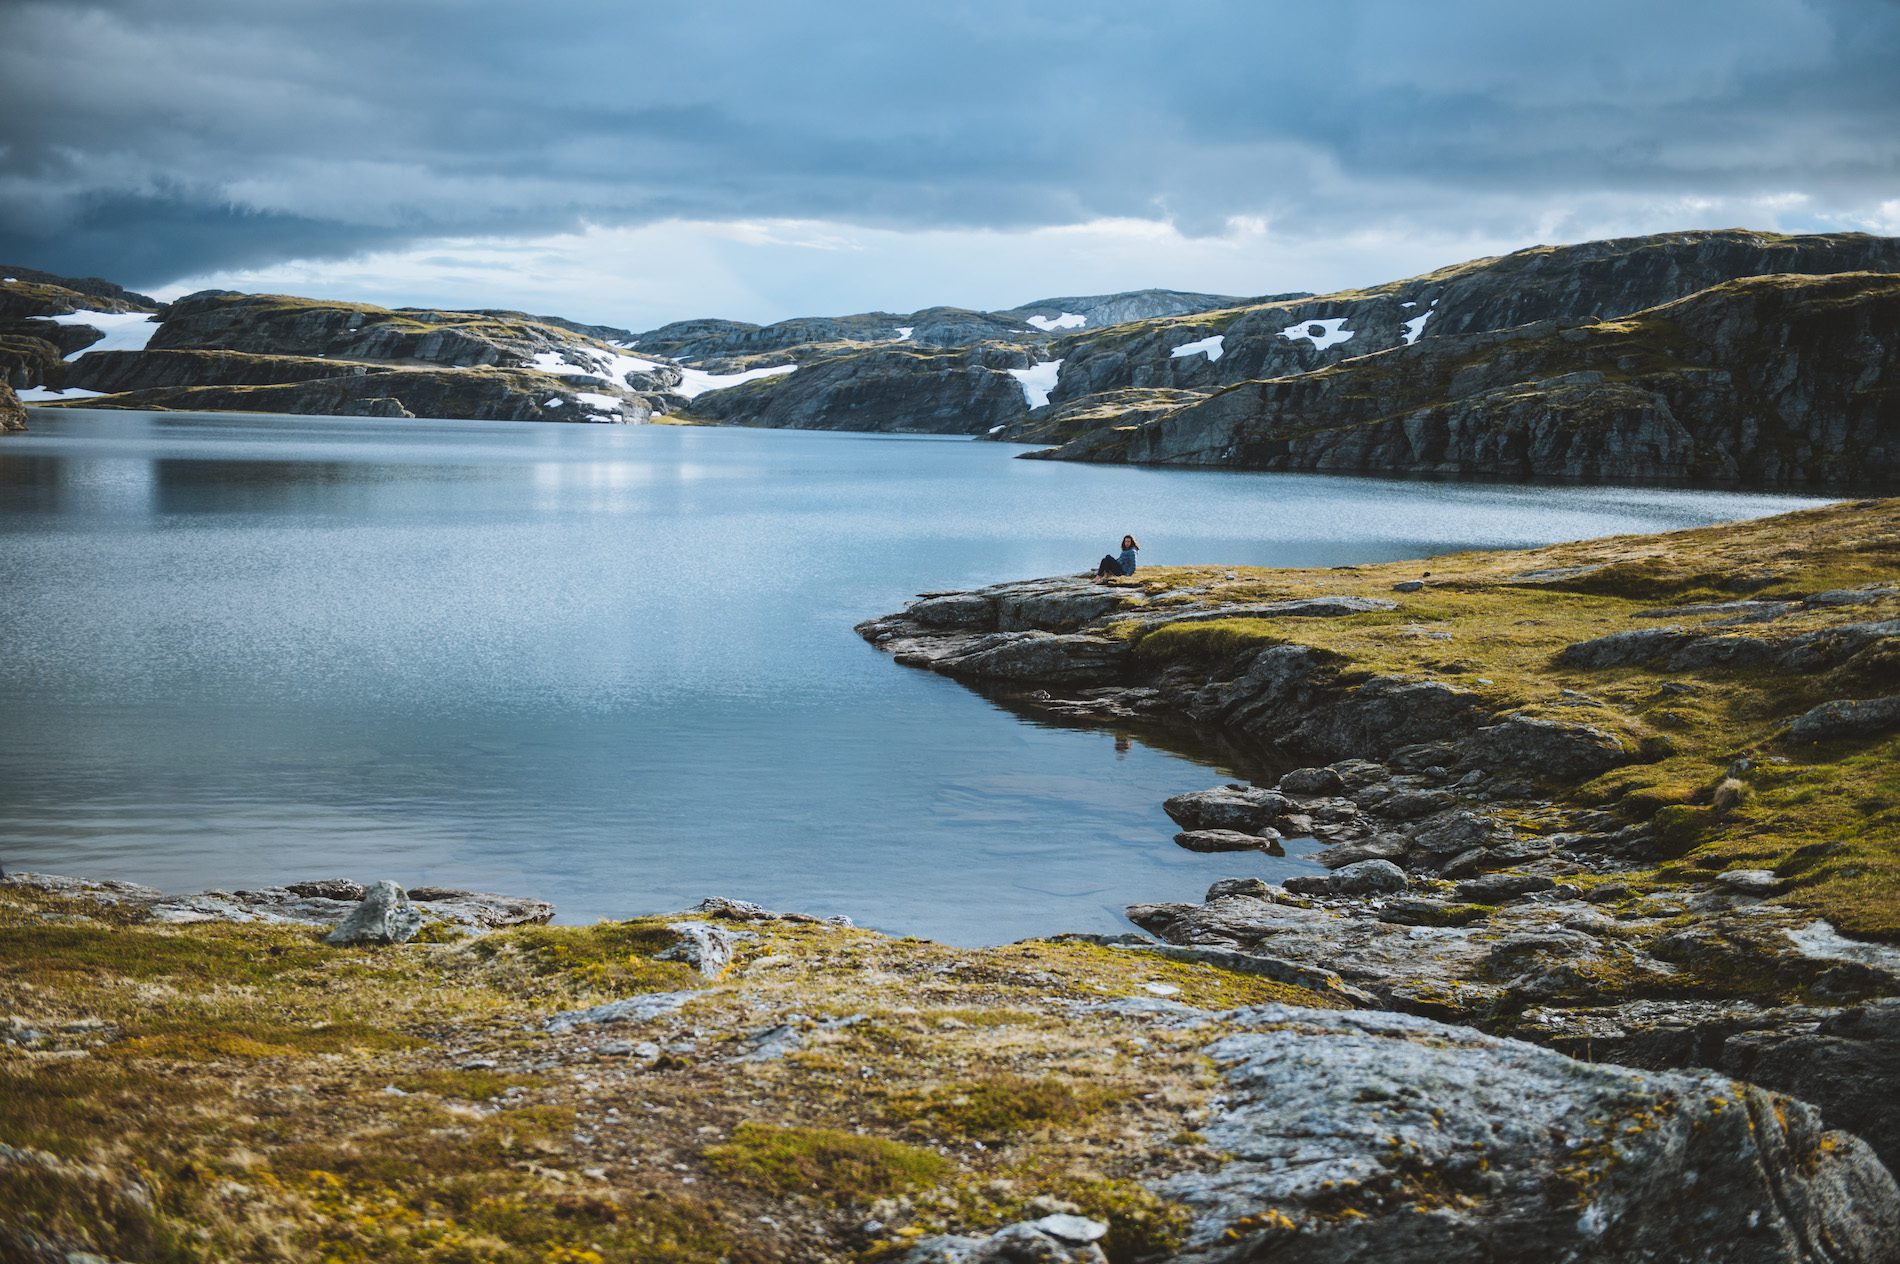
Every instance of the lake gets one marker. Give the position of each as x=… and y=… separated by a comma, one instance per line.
x=613, y=667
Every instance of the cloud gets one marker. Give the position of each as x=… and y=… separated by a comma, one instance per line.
x=201, y=137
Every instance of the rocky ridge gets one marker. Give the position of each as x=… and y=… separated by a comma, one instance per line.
x=1777, y=381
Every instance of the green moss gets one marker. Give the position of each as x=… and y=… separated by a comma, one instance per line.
x=833, y=1164
x=994, y=1109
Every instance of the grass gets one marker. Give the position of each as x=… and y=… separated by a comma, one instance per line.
x=1478, y=625
x=826, y=1162
x=212, y=1091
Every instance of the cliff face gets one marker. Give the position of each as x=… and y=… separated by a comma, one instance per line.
x=894, y=388
x=1571, y=284
x=1778, y=381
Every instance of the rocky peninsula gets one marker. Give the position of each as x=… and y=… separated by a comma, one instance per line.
x=1599, y=967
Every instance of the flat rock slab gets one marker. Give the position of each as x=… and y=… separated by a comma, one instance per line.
x=321, y=902
x=1361, y=1136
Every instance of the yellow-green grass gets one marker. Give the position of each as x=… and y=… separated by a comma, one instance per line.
x=213, y=1091
x=1480, y=626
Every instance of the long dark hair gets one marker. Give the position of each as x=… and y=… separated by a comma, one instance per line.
x=1129, y=542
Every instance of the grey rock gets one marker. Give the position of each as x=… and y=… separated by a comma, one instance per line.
x=632, y=1009
x=1211, y=840
x=1238, y=886
x=1368, y=877
x=1749, y=881
x=1026, y=1242
x=1311, y=782
x=1549, y=748
x=384, y=917
x=706, y=948
x=1847, y=718
x=1527, y=1154
x=1246, y=809
x=1496, y=888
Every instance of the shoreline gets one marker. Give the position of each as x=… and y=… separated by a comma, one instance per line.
x=1550, y=992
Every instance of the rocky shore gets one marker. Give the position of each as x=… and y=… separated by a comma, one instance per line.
x=1630, y=799
x=1600, y=965
x=440, y=1078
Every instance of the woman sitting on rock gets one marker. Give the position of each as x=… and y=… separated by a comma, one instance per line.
x=1112, y=567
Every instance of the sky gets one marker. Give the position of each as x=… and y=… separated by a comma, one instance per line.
x=630, y=163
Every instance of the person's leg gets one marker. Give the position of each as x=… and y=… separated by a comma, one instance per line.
x=1109, y=565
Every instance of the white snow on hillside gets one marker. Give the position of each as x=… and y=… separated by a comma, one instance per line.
x=588, y=362
x=1037, y=381
x=1408, y=304
x=40, y=394
x=1330, y=334
x=607, y=406
x=697, y=381
x=1212, y=348
x=1416, y=326
x=1068, y=320
x=124, y=331
x=904, y=332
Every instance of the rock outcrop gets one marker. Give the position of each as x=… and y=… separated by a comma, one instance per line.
x=1766, y=382
x=889, y=388
x=12, y=411
x=1374, y=1136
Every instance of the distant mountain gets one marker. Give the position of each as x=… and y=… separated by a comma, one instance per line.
x=810, y=337
x=1708, y=356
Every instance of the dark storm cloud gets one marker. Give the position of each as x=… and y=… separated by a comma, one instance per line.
x=153, y=140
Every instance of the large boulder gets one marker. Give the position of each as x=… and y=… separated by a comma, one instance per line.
x=1373, y=1136
x=384, y=917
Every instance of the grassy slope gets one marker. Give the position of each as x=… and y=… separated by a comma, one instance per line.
x=243, y=1075
x=1478, y=627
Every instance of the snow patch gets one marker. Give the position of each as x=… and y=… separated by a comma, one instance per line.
x=697, y=382
x=124, y=331
x=1037, y=381
x=1415, y=326
x=1408, y=304
x=588, y=362
x=1329, y=332
x=1210, y=347
x=40, y=394
x=1068, y=320
x=555, y=402
x=904, y=332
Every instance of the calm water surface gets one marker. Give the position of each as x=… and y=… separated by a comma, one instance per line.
x=614, y=666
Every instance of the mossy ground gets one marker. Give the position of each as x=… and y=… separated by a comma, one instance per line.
x=216, y=1091
x=1827, y=817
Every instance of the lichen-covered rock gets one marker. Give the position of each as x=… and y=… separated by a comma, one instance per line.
x=1358, y=1136
x=1056, y=1239
x=1847, y=718
x=384, y=917
x=1312, y=781
x=1550, y=748
x=1367, y=877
